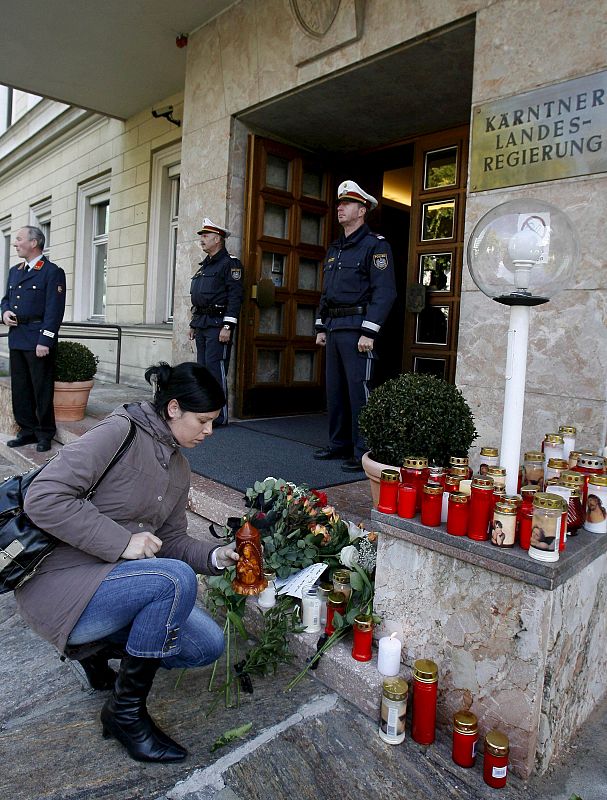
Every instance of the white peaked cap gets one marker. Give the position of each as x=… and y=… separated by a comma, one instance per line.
x=208, y=226
x=349, y=190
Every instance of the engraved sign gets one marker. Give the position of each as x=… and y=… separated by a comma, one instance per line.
x=545, y=135
x=315, y=16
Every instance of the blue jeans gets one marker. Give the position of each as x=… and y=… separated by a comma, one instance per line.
x=148, y=606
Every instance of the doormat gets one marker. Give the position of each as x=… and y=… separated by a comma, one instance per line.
x=245, y=452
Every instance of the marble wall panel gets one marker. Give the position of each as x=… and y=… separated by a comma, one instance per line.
x=523, y=44
x=238, y=39
x=204, y=95
x=205, y=153
x=487, y=633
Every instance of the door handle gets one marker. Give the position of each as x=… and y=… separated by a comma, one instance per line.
x=264, y=293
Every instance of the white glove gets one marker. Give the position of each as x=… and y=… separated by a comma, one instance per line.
x=225, y=556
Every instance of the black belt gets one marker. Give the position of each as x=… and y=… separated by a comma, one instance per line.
x=345, y=311
x=25, y=320
x=216, y=311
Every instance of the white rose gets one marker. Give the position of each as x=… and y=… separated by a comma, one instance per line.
x=349, y=556
x=354, y=532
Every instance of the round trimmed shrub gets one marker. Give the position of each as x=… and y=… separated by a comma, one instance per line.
x=75, y=362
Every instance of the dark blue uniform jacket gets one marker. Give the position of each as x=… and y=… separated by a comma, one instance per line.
x=35, y=295
x=218, y=285
x=358, y=271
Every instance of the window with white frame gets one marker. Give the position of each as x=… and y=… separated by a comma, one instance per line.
x=92, y=228
x=164, y=221
x=5, y=251
x=40, y=217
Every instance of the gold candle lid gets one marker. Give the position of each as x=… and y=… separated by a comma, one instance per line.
x=569, y=430
x=597, y=480
x=569, y=476
x=459, y=461
x=458, y=472
x=591, y=462
x=505, y=508
x=452, y=480
x=389, y=475
x=557, y=463
x=415, y=462
x=341, y=576
x=489, y=451
x=325, y=589
x=499, y=491
x=336, y=599
x=433, y=488
x=534, y=455
x=364, y=622
x=529, y=489
x=459, y=497
x=554, y=438
x=395, y=688
x=496, y=471
x=513, y=500
x=547, y=500
x=497, y=743
x=425, y=670
x=465, y=721
x=482, y=482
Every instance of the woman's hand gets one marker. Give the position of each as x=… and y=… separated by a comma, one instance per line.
x=142, y=545
x=226, y=556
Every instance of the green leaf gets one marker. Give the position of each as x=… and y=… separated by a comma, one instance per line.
x=301, y=544
x=356, y=582
x=238, y=624
x=230, y=736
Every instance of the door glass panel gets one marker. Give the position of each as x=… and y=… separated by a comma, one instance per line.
x=312, y=183
x=435, y=271
x=440, y=168
x=304, y=324
x=311, y=228
x=270, y=320
x=438, y=220
x=430, y=366
x=432, y=325
x=268, y=366
x=278, y=172
x=309, y=274
x=304, y=366
x=275, y=221
x=273, y=267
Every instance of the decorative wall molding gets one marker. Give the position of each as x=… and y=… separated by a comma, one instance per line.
x=327, y=25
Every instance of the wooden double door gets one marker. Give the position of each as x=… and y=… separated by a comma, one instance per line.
x=290, y=220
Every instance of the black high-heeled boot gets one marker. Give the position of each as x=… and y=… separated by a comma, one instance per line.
x=125, y=715
x=98, y=672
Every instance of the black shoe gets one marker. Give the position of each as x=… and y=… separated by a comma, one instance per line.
x=42, y=447
x=125, y=717
x=21, y=441
x=329, y=455
x=98, y=672
x=353, y=465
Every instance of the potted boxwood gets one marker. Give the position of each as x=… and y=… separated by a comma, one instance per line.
x=75, y=369
x=414, y=415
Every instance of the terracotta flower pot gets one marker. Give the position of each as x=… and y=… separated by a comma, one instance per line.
x=70, y=400
x=373, y=471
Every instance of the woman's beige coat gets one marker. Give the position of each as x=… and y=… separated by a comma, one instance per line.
x=147, y=490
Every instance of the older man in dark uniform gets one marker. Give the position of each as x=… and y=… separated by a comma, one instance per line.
x=216, y=291
x=358, y=293
x=33, y=309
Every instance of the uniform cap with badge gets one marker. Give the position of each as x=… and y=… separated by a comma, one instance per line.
x=208, y=226
x=349, y=190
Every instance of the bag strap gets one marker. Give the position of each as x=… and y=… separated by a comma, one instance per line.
x=126, y=443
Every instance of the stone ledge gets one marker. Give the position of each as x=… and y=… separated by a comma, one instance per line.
x=513, y=562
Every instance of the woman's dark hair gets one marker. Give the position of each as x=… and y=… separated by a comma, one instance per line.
x=192, y=385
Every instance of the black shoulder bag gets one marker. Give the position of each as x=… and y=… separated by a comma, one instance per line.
x=23, y=545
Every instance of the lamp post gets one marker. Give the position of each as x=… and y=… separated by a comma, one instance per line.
x=520, y=254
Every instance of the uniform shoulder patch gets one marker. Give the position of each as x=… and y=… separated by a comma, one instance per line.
x=234, y=257
x=378, y=236
x=380, y=260
x=236, y=274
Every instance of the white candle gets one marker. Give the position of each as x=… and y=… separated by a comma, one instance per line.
x=388, y=658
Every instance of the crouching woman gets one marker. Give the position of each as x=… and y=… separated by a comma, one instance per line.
x=124, y=571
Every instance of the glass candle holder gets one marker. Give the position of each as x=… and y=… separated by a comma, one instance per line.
x=546, y=527
x=525, y=516
x=481, y=504
x=362, y=630
x=457, y=515
x=425, y=686
x=341, y=582
x=503, y=526
x=489, y=457
x=568, y=432
x=554, y=468
x=451, y=485
x=407, y=500
x=393, y=710
x=414, y=472
x=462, y=462
x=596, y=504
x=336, y=603
x=495, y=764
x=324, y=590
x=432, y=499
x=465, y=738
x=552, y=447
x=533, y=469
x=388, y=491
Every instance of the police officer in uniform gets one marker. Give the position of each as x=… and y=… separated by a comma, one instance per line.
x=358, y=293
x=216, y=291
x=33, y=309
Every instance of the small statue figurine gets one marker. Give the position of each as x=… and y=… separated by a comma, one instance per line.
x=249, y=569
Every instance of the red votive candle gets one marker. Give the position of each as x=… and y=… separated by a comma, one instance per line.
x=481, y=506
x=414, y=472
x=525, y=515
x=457, y=514
x=363, y=637
x=425, y=685
x=495, y=766
x=407, y=496
x=388, y=491
x=432, y=501
x=336, y=601
x=465, y=737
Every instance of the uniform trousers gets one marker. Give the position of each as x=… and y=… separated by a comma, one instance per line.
x=215, y=356
x=349, y=374
x=148, y=606
x=32, y=389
